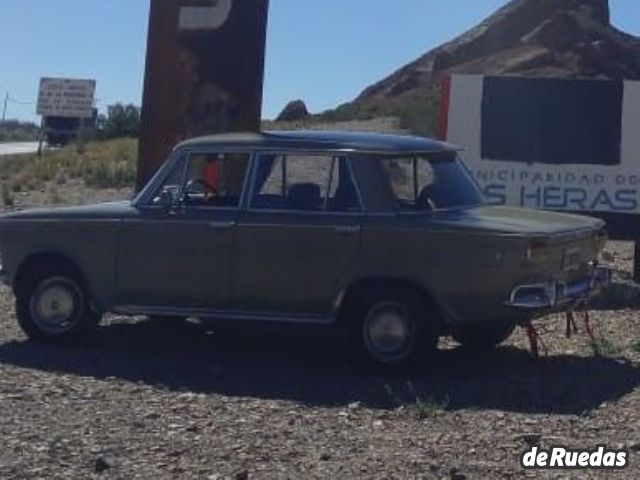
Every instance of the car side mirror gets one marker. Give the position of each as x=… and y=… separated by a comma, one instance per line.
x=168, y=198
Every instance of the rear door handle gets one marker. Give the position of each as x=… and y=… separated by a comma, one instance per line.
x=222, y=225
x=348, y=230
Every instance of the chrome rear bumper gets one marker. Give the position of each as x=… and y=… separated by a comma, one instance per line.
x=558, y=295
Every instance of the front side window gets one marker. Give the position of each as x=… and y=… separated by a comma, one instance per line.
x=208, y=180
x=420, y=183
x=299, y=182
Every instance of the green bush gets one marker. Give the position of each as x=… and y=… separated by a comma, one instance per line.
x=16, y=131
x=121, y=121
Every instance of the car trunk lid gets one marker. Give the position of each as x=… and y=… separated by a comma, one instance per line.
x=521, y=221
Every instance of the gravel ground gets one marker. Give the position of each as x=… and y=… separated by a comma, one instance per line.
x=181, y=401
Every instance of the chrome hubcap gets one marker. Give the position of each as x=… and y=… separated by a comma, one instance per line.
x=54, y=305
x=389, y=332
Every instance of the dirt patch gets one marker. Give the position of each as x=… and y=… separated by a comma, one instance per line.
x=184, y=401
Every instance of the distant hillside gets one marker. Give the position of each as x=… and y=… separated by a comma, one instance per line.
x=553, y=38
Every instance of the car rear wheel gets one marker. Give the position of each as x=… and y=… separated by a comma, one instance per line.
x=482, y=335
x=394, y=328
x=52, y=305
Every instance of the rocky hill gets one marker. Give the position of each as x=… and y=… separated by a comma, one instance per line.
x=559, y=38
x=294, y=111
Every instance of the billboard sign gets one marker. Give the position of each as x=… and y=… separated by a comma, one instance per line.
x=66, y=98
x=557, y=144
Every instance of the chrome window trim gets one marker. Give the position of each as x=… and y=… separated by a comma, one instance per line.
x=334, y=160
x=356, y=185
x=256, y=159
x=345, y=150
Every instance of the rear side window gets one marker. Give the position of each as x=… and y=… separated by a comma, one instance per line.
x=420, y=183
x=307, y=183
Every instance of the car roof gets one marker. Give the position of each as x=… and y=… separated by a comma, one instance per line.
x=324, y=140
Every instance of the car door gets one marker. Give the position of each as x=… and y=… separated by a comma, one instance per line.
x=299, y=236
x=180, y=257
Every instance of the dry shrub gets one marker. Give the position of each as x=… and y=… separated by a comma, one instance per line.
x=109, y=164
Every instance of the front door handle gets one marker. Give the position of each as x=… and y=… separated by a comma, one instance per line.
x=222, y=225
x=348, y=230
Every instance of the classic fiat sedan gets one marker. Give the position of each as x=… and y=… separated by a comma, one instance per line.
x=385, y=237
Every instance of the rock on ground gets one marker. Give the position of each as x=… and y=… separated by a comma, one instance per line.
x=182, y=401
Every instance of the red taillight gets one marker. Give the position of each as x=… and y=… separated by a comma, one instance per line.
x=538, y=250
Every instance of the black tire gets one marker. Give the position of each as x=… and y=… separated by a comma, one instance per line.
x=482, y=336
x=412, y=327
x=52, y=304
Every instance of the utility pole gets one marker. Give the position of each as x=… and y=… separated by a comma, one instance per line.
x=4, y=115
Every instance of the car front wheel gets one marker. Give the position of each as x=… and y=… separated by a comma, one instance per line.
x=52, y=305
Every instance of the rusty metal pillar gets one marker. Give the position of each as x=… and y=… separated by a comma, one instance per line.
x=204, y=74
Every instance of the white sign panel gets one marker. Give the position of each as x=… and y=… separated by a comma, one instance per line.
x=60, y=97
x=209, y=17
x=572, y=146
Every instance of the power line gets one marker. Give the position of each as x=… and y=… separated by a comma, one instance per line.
x=18, y=102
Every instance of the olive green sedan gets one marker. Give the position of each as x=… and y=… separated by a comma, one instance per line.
x=386, y=237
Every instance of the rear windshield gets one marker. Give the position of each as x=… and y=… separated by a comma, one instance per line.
x=421, y=183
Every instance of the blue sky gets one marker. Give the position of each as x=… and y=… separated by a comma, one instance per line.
x=325, y=51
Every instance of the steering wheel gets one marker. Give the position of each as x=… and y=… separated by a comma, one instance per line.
x=209, y=190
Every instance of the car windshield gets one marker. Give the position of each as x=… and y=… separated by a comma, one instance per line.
x=431, y=183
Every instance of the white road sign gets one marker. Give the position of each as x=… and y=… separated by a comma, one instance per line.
x=62, y=97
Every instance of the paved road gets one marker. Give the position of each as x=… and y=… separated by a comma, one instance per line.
x=17, y=148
